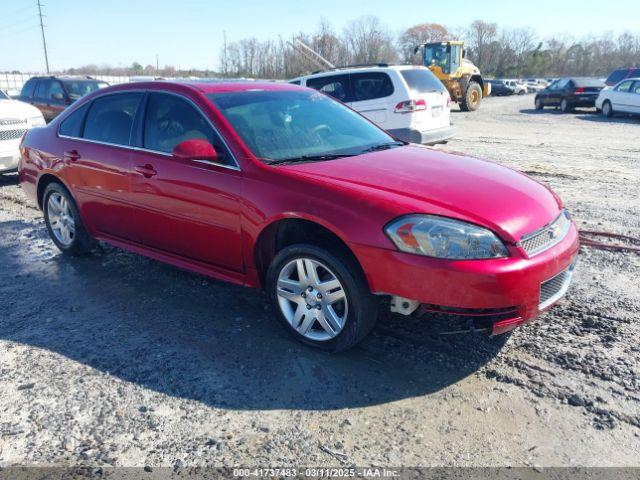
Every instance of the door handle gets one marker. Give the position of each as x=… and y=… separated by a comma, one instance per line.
x=72, y=155
x=146, y=170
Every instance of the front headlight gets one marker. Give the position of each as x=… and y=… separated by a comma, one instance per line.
x=442, y=237
x=36, y=121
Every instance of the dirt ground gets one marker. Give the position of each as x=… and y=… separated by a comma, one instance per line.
x=119, y=360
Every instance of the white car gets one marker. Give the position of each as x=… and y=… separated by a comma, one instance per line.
x=623, y=98
x=535, y=86
x=518, y=88
x=15, y=119
x=407, y=101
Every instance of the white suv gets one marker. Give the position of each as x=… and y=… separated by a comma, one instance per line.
x=407, y=101
x=15, y=119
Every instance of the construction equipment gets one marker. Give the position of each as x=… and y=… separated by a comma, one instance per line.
x=461, y=77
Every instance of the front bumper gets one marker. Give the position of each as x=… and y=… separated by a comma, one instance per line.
x=9, y=156
x=428, y=137
x=508, y=288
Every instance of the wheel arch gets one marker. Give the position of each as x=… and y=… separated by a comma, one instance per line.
x=286, y=231
x=478, y=79
x=45, y=180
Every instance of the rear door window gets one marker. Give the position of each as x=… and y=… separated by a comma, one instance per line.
x=336, y=86
x=42, y=89
x=110, y=118
x=422, y=80
x=371, y=85
x=29, y=88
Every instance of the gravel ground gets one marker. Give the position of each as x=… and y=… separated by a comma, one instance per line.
x=119, y=360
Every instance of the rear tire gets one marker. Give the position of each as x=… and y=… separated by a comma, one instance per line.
x=302, y=299
x=63, y=221
x=607, y=109
x=565, y=106
x=472, y=98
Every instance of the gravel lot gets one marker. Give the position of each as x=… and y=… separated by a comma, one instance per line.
x=119, y=360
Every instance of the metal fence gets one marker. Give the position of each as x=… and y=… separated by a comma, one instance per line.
x=12, y=82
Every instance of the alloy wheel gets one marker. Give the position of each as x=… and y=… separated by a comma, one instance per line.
x=61, y=219
x=312, y=299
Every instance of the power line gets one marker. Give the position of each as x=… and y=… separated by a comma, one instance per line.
x=20, y=10
x=44, y=41
x=17, y=22
x=15, y=32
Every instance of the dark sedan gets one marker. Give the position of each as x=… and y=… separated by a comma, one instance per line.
x=569, y=93
x=500, y=88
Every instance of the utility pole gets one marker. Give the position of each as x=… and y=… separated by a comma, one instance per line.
x=44, y=41
x=157, y=64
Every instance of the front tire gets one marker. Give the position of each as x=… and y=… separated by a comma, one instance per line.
x=63, y=221
x=472, y=97
x=607, y=109
x=565, y=106
x=538, y=103
x=321, y=297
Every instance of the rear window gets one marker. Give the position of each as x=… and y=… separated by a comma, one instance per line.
x=588, y=82
x=371, y=85
x=616, y=76
x=422, y=80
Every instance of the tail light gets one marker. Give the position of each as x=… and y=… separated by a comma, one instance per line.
x=410, y=106
x=579, y=90
x=448, y=101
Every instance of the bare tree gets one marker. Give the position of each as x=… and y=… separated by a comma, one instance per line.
x=417, y=35
x=368, y=41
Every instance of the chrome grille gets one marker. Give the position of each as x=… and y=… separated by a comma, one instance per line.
x=13, y=121
x=553, y=289
x=547, y=236
x=11, y=134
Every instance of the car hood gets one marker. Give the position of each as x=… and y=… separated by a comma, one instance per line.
x=416, y=179
x=17, y=109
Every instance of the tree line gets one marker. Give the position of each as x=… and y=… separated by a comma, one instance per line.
x=498, y=52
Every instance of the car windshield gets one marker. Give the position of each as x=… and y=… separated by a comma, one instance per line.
x=293, y=125
x=79, y=88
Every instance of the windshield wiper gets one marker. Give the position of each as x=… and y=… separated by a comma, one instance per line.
x=310, y=158
x=383, y=146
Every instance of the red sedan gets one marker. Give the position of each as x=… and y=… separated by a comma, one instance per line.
x=276, y=186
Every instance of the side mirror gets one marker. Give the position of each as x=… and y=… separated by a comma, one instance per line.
x=196, y=149
x=464, y=53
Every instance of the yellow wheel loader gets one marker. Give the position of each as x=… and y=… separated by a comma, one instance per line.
x=461, y=77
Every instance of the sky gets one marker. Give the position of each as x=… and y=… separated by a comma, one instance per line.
x=189, y=33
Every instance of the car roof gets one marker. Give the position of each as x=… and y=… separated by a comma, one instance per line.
x=360, y=68
x=205, y=86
